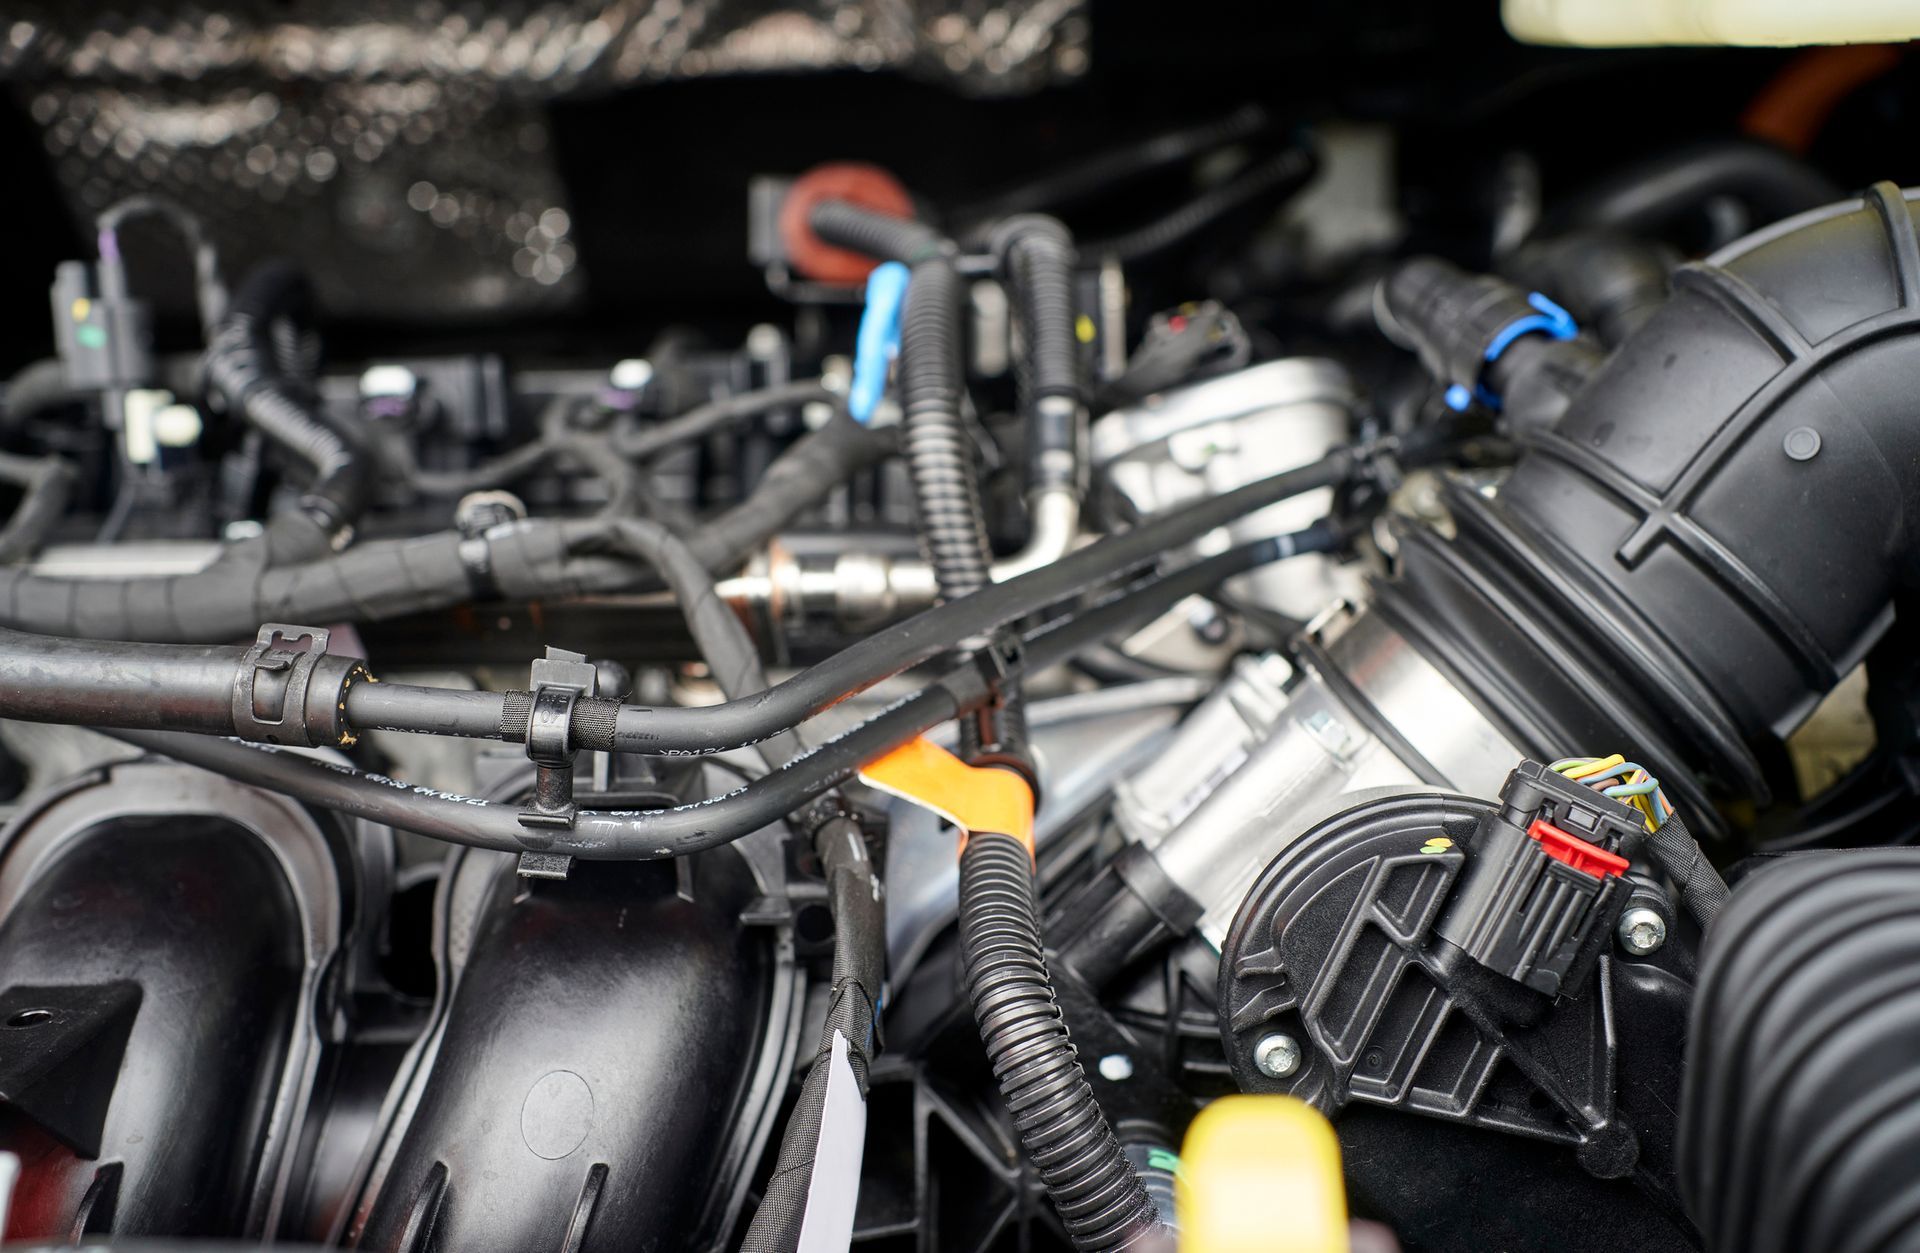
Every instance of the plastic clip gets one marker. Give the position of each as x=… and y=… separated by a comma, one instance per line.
x=558, y=682
x=270, y=691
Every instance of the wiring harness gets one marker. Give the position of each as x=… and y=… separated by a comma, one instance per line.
x=1669, y=843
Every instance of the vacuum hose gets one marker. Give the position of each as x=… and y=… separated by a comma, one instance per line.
x=243, y=367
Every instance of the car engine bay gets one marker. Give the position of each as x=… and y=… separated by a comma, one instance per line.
x=924, y=626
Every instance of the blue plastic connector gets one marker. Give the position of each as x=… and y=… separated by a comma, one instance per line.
x=878, y=340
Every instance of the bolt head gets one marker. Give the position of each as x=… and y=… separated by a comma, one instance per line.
x=1277, y=1056
x=1116, y=1068
x=1642, y=931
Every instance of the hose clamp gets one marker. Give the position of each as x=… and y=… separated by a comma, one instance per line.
x=270, y=691
x=559, y=680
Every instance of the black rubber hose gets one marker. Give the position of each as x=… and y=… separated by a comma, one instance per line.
x=876, y=234
x=1648, y=195
x=176, y=687
x=1609, y=280
x=1036, y=258
x=946, y=484
x=515, y=463
x=853, y=1010
x=648, y=835
x=1272, y=178
x=651, y=835
x=798, y=479
x=289, y=575
x=946, y=489
x=277, y=578
x=36, y=388
x=240, y=367
x=718, y=635
x=879, y=656
x=45, y=484
x=704, y=420
x=1454, y=318
x=1100, y=1199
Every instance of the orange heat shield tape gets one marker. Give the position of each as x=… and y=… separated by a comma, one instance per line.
x=973, y=798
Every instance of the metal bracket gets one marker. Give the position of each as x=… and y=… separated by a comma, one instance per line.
x=270, y=691
x=559, y=680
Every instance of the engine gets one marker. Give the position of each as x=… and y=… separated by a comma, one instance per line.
x=1318, y=666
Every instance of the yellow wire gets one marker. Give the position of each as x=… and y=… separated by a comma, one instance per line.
x=1586, y=767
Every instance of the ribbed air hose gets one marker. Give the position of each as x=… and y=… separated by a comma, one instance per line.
x=1099, y=1197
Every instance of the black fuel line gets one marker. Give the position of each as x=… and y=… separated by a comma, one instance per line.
x=656, y=834
x=46, y=679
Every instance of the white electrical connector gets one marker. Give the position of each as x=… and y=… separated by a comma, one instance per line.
x=139, y=408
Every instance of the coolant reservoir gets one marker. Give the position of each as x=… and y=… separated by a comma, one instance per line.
x=1617, y=23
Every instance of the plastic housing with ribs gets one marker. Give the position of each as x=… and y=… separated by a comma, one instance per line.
x=1717, y=531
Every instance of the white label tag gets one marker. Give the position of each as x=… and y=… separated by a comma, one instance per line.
x=828, y=1226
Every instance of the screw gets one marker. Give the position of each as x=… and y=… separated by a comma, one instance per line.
x=1277, y=1055
x=1642, y=931
x=1116, y=1068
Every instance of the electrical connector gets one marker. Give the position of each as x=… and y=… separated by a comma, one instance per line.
x=1543, y=885
x=105, y=341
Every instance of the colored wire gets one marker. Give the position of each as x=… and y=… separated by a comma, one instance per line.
x=1623, y=780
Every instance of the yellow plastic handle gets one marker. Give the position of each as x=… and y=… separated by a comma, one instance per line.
x=973, y=798
x=1261, y=1174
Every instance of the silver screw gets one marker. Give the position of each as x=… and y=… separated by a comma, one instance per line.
x=1277, y=1055
x=1116, y=1068
x=1642, y=931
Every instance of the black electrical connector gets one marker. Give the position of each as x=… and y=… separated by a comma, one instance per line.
x=1544, y=882
x=1515, y=352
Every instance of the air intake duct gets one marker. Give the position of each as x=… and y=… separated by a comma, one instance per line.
x=1718, y=528
x=1800, y=1114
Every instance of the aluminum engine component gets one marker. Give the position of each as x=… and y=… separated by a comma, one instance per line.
x=1274, y=750
x=1214, y=436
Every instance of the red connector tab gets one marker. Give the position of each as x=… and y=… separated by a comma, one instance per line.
x=1565, y=847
